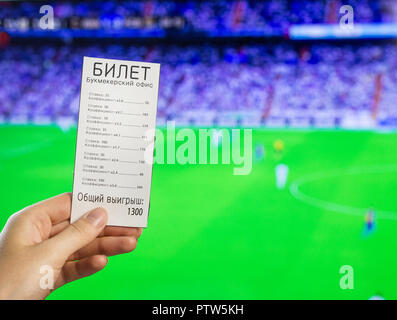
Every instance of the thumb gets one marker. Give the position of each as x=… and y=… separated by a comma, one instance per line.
x=80, y=233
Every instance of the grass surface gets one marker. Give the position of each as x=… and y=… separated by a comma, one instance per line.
x=214, y=235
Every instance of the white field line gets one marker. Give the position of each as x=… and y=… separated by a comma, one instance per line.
x=336, y=207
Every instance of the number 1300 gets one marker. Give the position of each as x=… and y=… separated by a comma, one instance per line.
x=135, y=211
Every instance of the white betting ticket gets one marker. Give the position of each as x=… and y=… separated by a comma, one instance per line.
x=115, y=138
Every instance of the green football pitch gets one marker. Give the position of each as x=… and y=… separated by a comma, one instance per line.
x=215, y=235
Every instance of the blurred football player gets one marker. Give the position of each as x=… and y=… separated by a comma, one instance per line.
x=369, y=222
x=281, y=175
x=278, y=147
x=377, y=297
x=259, y=152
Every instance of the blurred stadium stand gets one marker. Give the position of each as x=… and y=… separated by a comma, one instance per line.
x=224, y=63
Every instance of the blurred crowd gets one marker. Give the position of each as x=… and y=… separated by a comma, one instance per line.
x=273, y=78
x=245, y=15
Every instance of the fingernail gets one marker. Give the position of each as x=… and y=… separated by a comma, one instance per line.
x=97, y=217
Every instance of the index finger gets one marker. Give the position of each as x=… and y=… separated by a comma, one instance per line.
x=56, y=208
x=121, y=231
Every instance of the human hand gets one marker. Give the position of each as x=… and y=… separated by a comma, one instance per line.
x=41, y=235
